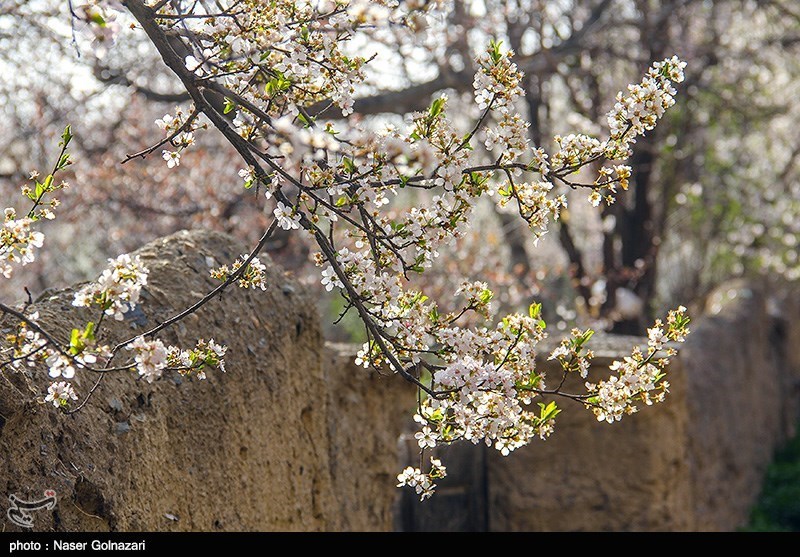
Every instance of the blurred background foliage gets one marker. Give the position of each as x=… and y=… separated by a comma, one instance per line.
x=714, y=192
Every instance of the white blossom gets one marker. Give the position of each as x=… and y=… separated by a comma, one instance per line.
x=150, y=357
x=287, y=219
x=60, y=393
x=118, y=288
x=173, y=158
x=17, y=242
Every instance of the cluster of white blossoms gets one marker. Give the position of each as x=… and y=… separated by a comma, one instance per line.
x=153, y=357
x=206, y=354
x=638, y=110
x=17, y=242
x=496, y=86
x=248, y=175
x=487, y=382
x=484, y=378
x=180, y=129
x=510, y=135
x=100, y=21
x=420, y=481
x=533, y=202
x=571, y=355
x=117, y=290
x=253, y=276
x=478, y=296
x=290, y=48
x=60, y=393
x=640, y=375
x=330, y=280
x=28, y=347
x=150, y=357
x=288, y=218
x=115, y=293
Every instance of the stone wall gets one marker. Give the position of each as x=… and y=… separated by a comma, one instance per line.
x=296, y=437
x=292, y=437
x=694, y=463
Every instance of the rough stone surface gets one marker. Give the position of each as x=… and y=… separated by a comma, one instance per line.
x=290, y=438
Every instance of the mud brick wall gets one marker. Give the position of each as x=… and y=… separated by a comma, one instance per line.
x=292, y=437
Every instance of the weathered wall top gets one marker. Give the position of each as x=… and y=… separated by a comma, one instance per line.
x=269, y=445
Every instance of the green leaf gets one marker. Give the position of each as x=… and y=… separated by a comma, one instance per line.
x=348, y=165
x=549, y=411
x=436, y=107
x=88, y=332
x=535, y=310
x=75, y=344
x=63, y=161
x=494, y=51
x=66, y=136
x=229, y=106
x=306, y=121
x=277, y=85
x=477, y=178
x=419, y=298
x=95, y=17
x=583, y=339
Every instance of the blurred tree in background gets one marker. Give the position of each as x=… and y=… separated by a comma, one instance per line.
x=714, y=190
